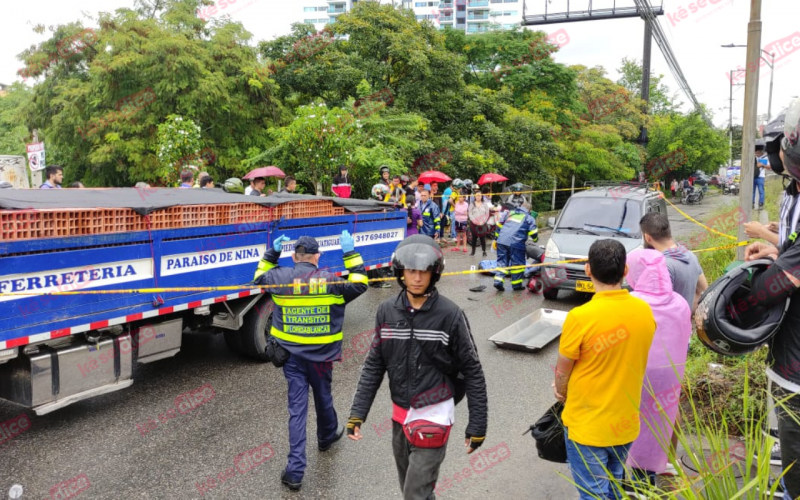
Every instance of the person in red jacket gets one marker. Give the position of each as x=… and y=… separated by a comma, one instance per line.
x=341, y=183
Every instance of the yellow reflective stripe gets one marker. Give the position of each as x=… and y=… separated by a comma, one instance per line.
x=353, y=261
x=358, y=278
x=515, y=282
x=307, y=300
x=263, y=267
x=301, y=339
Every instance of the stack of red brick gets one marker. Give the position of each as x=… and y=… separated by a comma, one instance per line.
x=52, y=223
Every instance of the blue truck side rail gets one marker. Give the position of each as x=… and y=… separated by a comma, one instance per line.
x=211, y=256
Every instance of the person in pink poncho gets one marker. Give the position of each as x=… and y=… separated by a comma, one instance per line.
x=661, y=393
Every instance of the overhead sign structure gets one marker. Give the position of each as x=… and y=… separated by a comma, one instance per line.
x=36, y=160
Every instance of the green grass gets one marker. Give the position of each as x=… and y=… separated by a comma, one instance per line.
x=720, y=380
x=726, y=468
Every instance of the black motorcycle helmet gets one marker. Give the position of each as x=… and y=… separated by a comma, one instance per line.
x=727, y=323
x=420, y=253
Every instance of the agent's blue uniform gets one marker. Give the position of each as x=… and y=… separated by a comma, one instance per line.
x=307, y=322
x=431, y=218
x=512, y=232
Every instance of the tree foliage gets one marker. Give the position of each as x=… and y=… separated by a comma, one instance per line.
x=203, y=71
x=375, y=88
x=13, y=132
x=704, y=148
x=661, y=101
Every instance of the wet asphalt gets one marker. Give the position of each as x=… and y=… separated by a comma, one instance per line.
x=127, y=446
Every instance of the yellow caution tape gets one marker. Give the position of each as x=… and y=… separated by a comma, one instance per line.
x=372, y=280
x=710, y=229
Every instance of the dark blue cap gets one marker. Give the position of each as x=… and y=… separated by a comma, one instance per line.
x=308, y=243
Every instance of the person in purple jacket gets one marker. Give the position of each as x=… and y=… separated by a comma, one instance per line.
x=412, y=216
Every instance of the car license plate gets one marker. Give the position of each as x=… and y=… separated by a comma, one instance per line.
x=584, y=286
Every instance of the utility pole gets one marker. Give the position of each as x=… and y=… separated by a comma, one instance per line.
x=749, y=124
x=730, y=109
x=648, y=43
x=36, y=177
x=771, y=81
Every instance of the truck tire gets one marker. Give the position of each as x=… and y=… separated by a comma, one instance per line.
x=551, y=293
x=253, y=333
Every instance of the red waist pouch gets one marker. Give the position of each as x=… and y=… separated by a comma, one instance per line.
x=425, y=434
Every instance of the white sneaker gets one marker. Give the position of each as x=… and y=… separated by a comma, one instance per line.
x=670, y=470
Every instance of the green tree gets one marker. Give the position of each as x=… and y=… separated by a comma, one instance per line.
x=704, y=148
x=400, y=55
x=736, y=148
x=308, y=66
x=313, y=144
x=101, y=105
x=178, y=146
x=661, y=100
x=13, y=132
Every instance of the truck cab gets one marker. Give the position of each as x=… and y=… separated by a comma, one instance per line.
x=611, y=211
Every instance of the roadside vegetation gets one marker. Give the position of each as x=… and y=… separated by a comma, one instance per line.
x=718, y=381
x=376, y=87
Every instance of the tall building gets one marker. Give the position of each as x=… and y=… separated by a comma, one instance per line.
x=472, y=16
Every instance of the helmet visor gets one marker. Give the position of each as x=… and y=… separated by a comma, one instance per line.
x=418, y=257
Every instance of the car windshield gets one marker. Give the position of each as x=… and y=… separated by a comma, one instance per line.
x=603, y=216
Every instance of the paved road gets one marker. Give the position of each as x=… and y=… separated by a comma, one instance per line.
x=106, y=438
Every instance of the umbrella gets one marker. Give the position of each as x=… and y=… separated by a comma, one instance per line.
x=433, y=176
x=489, y=178
x=265, y=172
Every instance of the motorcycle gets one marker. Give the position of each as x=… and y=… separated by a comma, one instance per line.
x=692, y=196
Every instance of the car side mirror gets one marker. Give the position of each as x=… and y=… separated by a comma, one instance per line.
x=551, y=222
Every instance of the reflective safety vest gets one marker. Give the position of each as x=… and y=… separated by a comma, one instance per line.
x=309, y=308
x=431, y=218
x=516, y=228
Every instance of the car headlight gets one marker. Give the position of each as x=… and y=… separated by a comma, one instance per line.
x=551, y=250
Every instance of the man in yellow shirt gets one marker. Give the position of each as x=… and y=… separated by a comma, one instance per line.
x=602, y=358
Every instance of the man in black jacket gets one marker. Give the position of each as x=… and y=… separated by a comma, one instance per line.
x=773, y=286
x=424, y=342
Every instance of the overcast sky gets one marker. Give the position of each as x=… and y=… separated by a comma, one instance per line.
x=695, y=29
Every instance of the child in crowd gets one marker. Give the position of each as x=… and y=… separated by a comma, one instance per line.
x=602, y=357
x=460, y=218
x=649, y=277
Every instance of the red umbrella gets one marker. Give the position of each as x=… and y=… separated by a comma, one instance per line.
x=433, y=176
x=265, y=172
x=489, y=178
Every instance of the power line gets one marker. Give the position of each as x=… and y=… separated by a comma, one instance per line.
x=647, y=13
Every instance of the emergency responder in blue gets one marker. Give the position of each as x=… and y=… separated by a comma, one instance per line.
x=512, y=232
x=307, y=322
x=429, y=223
